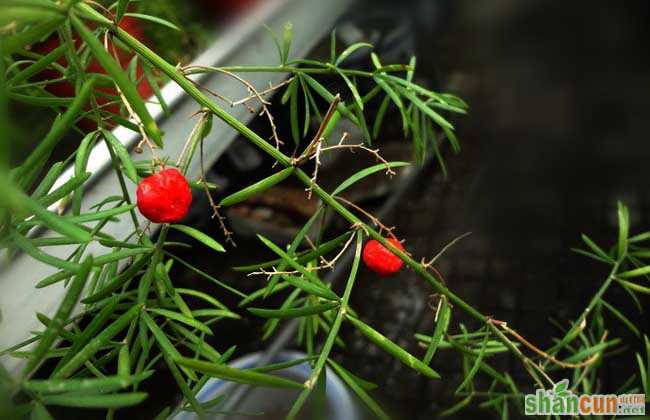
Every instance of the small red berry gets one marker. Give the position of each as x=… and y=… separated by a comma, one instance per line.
x=380, y=260
x=164, y=197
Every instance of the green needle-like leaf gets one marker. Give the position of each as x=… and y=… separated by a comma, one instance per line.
x=183, y=319
x=154, y=19
x=102, y=214
x=200, y=295
x=96, y=343
x=297, y=240
x=293, y=312
x=282, y=365
x=124, y=362
x=437, y=118
x=203, y=348
x=379, y=119
x=272, y=324
x=248, y=377
x=207, y=276
x=333, y=46
x=350, y=50
x=39, y=65
x=287, y=37
x=98, y=321
x=364, y=173
x=199, y=236
x=477, y=364
x=27, y=247
x=637, y=272
x=163, y=341
x=352, y=87
x=456, y=407
x=83, y=400
x=61, y=316
x=261, y=293
x=584, y=353
x=634, y=286
x=329, y=97
x=120, y=255
x=122, y=6
x=392, y=348
x=122, y=154
x=441, y=328
x=86, y=385
x=350, y=381
x=623, y=230
x=118, y=281
x=31, y=167
x=54, y=278
x=301, y=257
x=332, y=334
x=256, y=188
x=311, y=286
x=81, y=162
x=48, y=180
x=40, y=412
x=292, y=91
x=618, y=314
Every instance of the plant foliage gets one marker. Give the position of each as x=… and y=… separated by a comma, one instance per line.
x=139, y=317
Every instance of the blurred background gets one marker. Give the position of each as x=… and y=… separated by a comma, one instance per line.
x=557, y=132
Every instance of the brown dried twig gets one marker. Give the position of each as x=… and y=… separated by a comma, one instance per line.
x=429, y=264
x=318, y=137
x=332, y=262
x=444, y=249
x=504, y=326
x=361, y=146
x=215, y=208
x=266, y=91
x=324, y=262
x=315, y=148
x=373, y=219
x=254, y=94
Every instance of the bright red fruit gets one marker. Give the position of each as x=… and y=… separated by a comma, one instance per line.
x=164, y=197
x=380, y=260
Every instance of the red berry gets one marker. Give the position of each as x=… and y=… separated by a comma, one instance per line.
x=380, y=260
x=64, y=88
x=164, y=197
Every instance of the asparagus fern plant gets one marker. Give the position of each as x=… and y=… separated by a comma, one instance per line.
x=137, y=317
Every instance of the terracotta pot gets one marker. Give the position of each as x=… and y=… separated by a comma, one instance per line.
x=66, y=89
x=228, y=8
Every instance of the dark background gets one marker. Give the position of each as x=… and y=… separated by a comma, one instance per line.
x=557, y=133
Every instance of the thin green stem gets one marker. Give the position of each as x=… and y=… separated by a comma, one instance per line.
x=156, y=256
x=580, y=323
x=174, y=74
x=435, y=282
x=333, y=333
x=125, y=191
x=291, y=69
